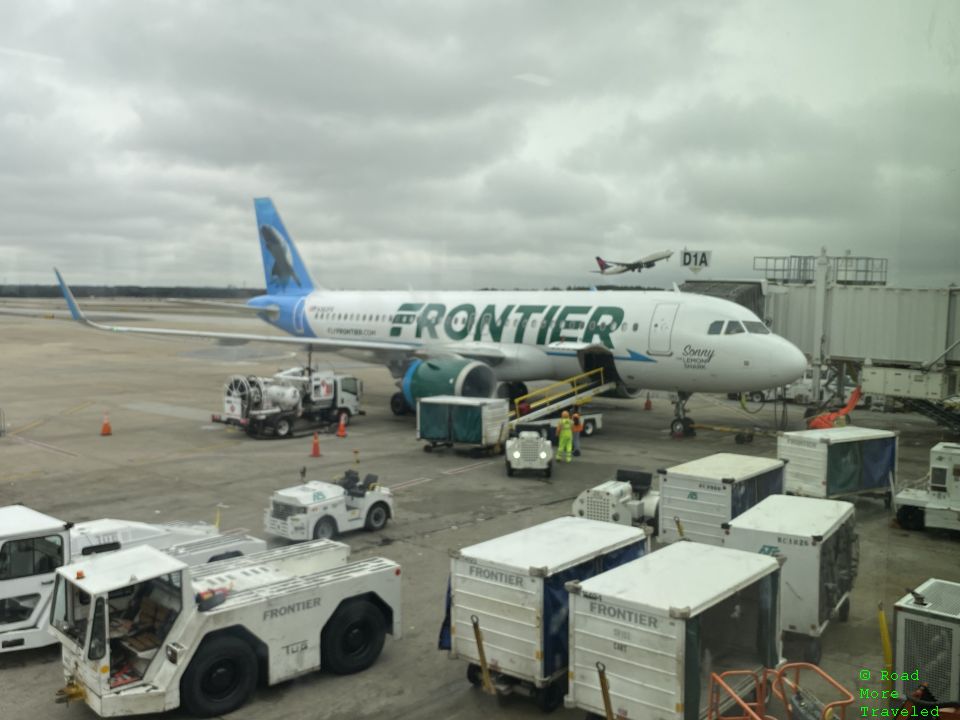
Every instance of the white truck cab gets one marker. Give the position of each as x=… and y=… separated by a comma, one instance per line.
x=142, y=632
x=318, y=510
x=33, y=545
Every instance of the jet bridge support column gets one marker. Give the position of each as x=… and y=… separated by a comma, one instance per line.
x=821, y=273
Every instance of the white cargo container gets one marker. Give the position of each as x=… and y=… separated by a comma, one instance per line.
x=449, y=420
x=703, y=494
x=661, y=624
x=838, y=462
x=818, y=540
x=927, y=640
x=514, y=586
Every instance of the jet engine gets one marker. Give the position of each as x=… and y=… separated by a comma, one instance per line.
x=447, y=376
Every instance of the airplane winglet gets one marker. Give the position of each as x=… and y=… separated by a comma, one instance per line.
x=71, y=301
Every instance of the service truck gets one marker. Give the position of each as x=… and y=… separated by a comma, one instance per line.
x=938, y=504
x=322, y=510
x=143, y=633
x=301, y=398
x=33, y=545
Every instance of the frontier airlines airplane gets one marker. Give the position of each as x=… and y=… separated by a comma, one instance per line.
x=468, y=343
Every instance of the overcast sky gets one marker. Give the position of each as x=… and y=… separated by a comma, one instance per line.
x=456, y=144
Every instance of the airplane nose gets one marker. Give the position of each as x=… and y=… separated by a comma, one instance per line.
x=795, y=362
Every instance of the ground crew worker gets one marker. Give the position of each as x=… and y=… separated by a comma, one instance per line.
x=564, y=436
x=577, y=429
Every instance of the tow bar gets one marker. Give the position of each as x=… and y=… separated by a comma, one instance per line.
x=487, y=682
x=605, y=690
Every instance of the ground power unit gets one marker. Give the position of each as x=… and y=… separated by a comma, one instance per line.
x=511, y=589
x=927, y=639
x=697, y=497
x=818, y=540
x=839, y=462
x=660, y=625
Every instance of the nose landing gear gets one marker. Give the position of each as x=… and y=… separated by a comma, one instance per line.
x=682, y=425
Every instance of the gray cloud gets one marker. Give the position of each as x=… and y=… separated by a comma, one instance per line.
x=461, y=144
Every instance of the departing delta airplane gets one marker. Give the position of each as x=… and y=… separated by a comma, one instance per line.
x=468, y=343
x=612, y=267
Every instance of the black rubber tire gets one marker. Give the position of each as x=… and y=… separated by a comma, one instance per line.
x=677, y=427
x=428, y=448
x=757, y=396
x=887, y=500
x=843, y=612
x=911, y=517
x=509, y=470
x=377, y=516
x=352, y=639
x=812, y=651
x=548, y=473
x=345, y=414
x=474, y=675
x=549, y=698
x=589, y=428
x=325, y=529
x=221, y=677
x=283, y=428
x=398, y=404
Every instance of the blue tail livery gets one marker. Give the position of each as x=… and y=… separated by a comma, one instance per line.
x=283, y=267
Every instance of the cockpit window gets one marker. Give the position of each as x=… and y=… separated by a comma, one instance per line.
x=734, y=327
x=716, y=328
x=757, y=328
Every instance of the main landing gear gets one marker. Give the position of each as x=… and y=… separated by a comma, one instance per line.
x=682, y=426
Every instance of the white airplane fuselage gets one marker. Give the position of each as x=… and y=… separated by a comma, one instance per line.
x=657, y=340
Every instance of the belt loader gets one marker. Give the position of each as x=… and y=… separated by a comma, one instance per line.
x=142, y=632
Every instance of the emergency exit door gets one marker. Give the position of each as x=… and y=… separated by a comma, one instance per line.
x=661, y=328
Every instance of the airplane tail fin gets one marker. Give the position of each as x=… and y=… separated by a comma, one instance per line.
x=602, y=263
x=283, y=267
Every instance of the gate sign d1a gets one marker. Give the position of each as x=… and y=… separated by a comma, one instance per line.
x=696, y=260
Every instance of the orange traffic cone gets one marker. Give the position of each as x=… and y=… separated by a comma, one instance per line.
x=647, y=405
x=342, y=430
x=105, y=429
x=315, y=450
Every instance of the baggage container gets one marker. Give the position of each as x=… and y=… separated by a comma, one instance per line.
x=703, y=494
x=661, y=624
x=838, y=462
x=927, y=641
x=514, y=586
x=818, y=539
x=450, y=419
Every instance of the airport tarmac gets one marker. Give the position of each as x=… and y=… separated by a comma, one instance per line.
x=166, y=461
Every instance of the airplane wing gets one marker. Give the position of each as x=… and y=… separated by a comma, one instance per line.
x=315, y=343
x=239, y=308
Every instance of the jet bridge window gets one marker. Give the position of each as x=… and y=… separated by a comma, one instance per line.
x=30, y=556
x=757, y=328
x=716, y=328
x=734, y=327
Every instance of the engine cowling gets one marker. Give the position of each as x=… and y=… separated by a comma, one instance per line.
x=447, y=376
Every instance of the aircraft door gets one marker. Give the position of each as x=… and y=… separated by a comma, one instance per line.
x=661, y=328
x=298, y=315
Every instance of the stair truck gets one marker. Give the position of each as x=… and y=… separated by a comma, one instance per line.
x=322, y=510
x=646, y=636
x=33, y=545
x=143, y=633
x=927, y=643
x=818, y=539
x=507, y=606
x=293, y=400
x=938, y=504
